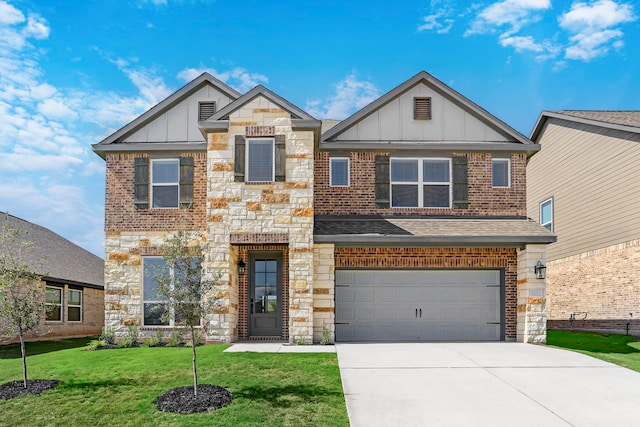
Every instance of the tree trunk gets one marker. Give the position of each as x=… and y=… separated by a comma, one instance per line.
x=193, y=354
x=24, y=359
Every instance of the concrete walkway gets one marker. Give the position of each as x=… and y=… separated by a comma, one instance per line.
x=484, y=384
x=279, y=348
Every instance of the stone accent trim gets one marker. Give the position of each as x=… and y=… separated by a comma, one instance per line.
x=532, y=298
x=258, y=238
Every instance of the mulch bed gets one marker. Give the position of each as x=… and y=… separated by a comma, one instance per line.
x=16, y=388
x=181, y=399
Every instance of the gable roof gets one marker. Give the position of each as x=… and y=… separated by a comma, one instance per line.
x=628, y=121
x=166, y=104
x=55, y=257
x=219, y=121
x=445, y=91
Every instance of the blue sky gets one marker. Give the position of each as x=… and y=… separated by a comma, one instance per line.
x=71, y=73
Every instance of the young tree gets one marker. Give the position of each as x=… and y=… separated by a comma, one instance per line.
x=22, y=295
x=181, y=284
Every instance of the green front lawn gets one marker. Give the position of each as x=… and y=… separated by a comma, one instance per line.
x=622, y=350
x=119, y=387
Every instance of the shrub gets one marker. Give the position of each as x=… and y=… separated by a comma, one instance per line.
x=95, y=345
x=108, y=336
x=176, y=338
x=326, y=336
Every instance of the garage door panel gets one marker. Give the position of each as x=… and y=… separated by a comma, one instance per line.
x=410, y=305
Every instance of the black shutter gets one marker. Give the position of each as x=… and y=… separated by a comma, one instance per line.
x=460, y=183
x=239, y=159
x=281, y=158
x=382, y=182
x=141, y=183
x=186, y=182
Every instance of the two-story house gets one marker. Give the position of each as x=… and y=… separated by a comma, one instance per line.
x=583, y=186
x=405, y=222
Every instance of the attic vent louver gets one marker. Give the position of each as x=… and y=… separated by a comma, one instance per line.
x=206, y=109
x=422, y=108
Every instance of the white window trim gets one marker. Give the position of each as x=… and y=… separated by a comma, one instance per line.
x=273, y=160
x=172, y=323
x=551, y=222
x=69, y=305
x=501, y=160
x=420, y=183
x=331, y=184
x=164, y=184
x=61, y=305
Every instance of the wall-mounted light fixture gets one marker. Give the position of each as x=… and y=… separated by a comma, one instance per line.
x=541, y=270
x=242, y=267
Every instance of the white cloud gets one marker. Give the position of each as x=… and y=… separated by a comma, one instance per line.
x=350, y=95
x=512, y=14
x=9, y=15
x=440, y=22
x=56, y=109
x=592, y=28
x=521, y=43
x=237, y=77
x=36, y=27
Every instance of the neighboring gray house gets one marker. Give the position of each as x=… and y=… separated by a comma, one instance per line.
x=584, y=186
x=73, y=277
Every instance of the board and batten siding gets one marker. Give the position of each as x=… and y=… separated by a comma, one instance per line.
x=394, y=122
x=592, y=174
x=180, y=122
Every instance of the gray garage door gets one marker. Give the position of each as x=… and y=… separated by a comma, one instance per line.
x=418, y=305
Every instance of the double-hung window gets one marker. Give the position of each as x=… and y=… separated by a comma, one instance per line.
x=260, y=160
x=154, y=306
x=339, y=171
x=53, y=301
x=501, y=172
x=420, y=183
x=546, y=214
x=165, y=183
x=74, y=305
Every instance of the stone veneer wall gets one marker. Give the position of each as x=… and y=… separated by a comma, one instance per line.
x=323, y=292
x=532, y=320
x=359, y=197
x=253, y=210
x=449, y=258
x=603, y=283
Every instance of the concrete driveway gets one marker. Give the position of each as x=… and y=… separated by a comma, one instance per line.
x=484, y=384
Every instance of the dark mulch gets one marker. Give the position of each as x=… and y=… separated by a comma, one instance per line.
x=16, y=388
x=181, y=399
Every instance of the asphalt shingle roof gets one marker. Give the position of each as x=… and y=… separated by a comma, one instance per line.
x=416, y=230
x=56, y=257
x=625, y=118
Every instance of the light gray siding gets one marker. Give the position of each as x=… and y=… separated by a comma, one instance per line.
x=593, y=175
x=180, y=122
x=394, y=122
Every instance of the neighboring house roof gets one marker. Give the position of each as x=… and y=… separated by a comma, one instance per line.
x=219, y=121
x=162, y=107
x=416, y=231
x=55, y=257
x=329, y=138
x=620, y=120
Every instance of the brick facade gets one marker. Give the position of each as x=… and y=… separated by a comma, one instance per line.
x=359, y=197
x=599, y=290
x=120, y=212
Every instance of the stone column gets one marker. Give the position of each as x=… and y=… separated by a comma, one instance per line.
x=532, y=317
x=323, y=292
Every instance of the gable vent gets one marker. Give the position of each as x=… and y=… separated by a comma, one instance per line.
x=206, y=109
x=422, y=108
